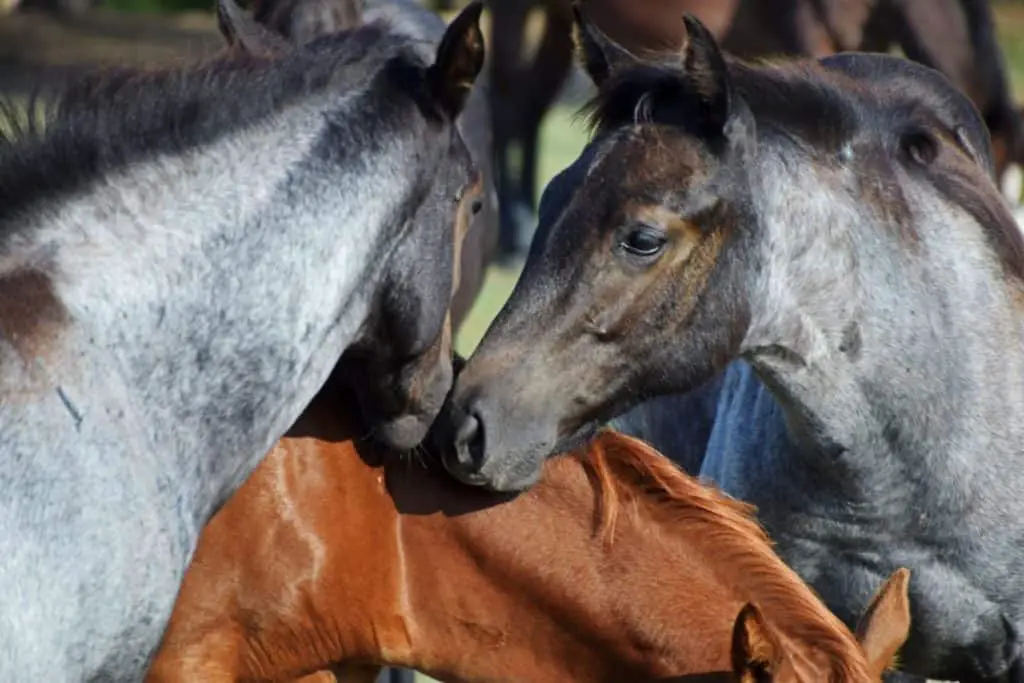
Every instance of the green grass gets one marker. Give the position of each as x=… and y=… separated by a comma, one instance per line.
x=1010, y=30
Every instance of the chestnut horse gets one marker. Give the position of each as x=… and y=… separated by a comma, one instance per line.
x=956, y=37
x=338, y=556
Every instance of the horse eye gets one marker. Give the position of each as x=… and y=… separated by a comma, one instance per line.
x=477, y=207
x=919, y=146
x=644, y=241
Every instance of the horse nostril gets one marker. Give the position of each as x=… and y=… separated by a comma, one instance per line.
x=469, y=440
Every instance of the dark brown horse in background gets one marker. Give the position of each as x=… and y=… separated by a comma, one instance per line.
x=301, y=21
x=956, y=37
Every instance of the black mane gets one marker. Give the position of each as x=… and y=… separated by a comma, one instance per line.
x=790, y=96
x=116, y=117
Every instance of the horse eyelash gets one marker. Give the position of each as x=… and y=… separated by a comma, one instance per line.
x=642, y=110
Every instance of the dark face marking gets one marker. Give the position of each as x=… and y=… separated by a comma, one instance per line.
x=616, y=269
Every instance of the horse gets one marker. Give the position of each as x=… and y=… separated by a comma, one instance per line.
x=859, y=274
x=152, y=291
x=339, y=556
x=304, y=20
x=955, y=36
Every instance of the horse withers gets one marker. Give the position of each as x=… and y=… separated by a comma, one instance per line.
x=186, y=255
x=338, y=557
x=860, y=275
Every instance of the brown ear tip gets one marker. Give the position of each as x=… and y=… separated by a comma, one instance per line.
x=748, y=611
x=695, y=25
x=901, y=577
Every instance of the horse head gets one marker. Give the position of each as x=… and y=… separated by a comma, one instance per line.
x=400, y=366
x=656, y=191
x=759, y=653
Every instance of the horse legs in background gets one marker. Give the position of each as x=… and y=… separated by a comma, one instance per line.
x=521, y=95
x=393, y=676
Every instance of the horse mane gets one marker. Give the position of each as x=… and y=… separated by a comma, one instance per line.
x=784, y=96
x=812, y=106
x=626, y=469
x=112, y=118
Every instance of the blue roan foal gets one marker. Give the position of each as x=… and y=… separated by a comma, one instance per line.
x=184, y=256
x=829, y=235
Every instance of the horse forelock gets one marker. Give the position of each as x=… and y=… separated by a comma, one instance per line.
x=787, y=95
x=627, y=469
x=116, y=118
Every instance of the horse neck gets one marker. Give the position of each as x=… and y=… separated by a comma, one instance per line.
x=174, y=273
x=551, y=602
x=872, y=352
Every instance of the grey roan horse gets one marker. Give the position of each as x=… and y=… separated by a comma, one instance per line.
x=836, y=227
x=185, y=256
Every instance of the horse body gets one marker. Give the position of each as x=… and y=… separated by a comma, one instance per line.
x=177, y=310
x=861, y=274
x=845, y=459
x=887, y=436
x=616, y=567
x=120, y=367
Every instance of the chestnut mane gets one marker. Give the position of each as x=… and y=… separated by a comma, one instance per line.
x=628, y=471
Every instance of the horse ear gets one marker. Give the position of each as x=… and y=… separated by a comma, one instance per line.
x=885, y=625
x=754, y=648
x=242, y=31
x=601, y=56
x=709, y=78
x=460, y=56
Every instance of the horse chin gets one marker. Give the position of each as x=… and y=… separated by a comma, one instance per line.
x=403, y=433
x=515, y=479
